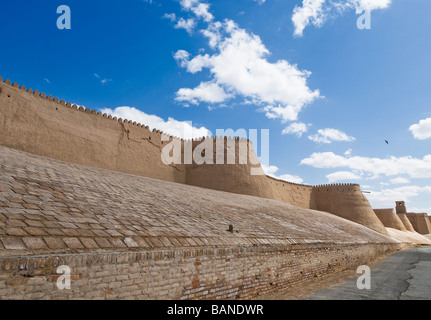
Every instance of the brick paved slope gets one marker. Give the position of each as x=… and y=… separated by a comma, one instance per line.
x=49, y=206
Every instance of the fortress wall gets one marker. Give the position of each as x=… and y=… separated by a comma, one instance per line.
x=424, y=223
x=347, y=201
x=293, y=193
x=420, y=222
x=406, y=222
x=43, y=125
x=389, y=219
x=57, y=130
x=201, y=273
x=238, y=178
x=235, y=177
x=40, y=124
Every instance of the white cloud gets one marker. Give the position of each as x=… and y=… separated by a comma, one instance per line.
x=269, y=170
x=342, y=175
x=181, y=23
x=399, y=180
x=187, y=25
x=198, y=8
x=182, y=57
x=317, y=12
x=387, y=197
x=201, y=10
x=272, y=170
x=260, y=2
x=194, y=65
x=102, y=81
x=421, y=130
x=170, y=16
x=420, y=210
x=371, y=4
x=298, y=128
x=240, y=67
x=310, y=12
x=213, y=33
x=181, y=129
x=391, y=166
x=329, y=135
x=187, y=4
x=348, y=152
x=209, y=92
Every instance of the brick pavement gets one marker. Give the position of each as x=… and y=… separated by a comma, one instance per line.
x=131, y=237
x=53, y=206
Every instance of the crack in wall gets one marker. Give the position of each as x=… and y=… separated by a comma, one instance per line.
x=127, y=132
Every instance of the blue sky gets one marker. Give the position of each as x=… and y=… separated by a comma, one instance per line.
x=329, y=93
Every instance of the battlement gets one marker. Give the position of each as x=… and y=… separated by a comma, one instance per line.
x=390, y=219
x=385, y=210
x=63, y=103
x=338, y=187
x=290, y=183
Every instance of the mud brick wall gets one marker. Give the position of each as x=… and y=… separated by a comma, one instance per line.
x=204, y=273
x=37, y=123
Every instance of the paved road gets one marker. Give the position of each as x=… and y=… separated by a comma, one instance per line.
x=404, y=275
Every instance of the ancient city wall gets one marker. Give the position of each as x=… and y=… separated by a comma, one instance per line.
x=420, y=222
x=204, y=273
x=240, y=178
x=298, y=194
x=389, y=219
x=406, y=222
x=42, y=125
x=347, y=201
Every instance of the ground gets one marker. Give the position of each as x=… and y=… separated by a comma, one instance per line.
x=404, y=275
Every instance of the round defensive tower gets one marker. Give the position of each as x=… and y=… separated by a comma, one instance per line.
x=347, y=201
x=389, y=219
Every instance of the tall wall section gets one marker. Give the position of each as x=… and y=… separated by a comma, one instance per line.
x=389, y=219
x=298, y=194
x=406, y=222
x=420, y=222
x=347, y=201
x=242, y=174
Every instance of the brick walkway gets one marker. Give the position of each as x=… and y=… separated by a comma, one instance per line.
x=49, y=206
